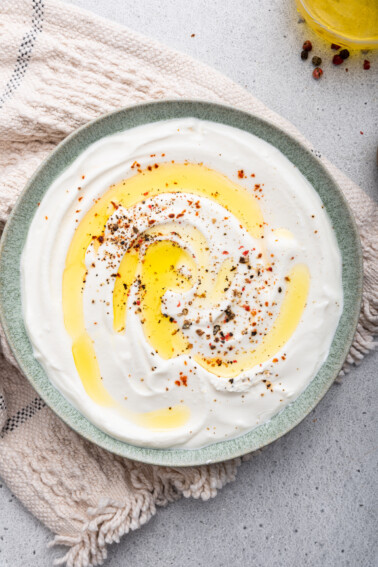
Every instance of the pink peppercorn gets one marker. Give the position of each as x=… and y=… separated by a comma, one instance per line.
x=307, y=46
x=366, y=65
x=335, y=47
x=337, y=60
x=317, y=73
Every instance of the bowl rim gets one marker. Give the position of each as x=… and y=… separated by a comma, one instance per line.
x=294, y=412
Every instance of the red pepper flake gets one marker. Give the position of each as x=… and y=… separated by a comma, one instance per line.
x=366, y=65
x=337, y=60
x=177, y=382
x=283, y=357
x=361, y=132
x=114, y=204
x=241, y=173
x=137, y=302
x=80, y=198
x=275, y=359
x=225, y=252
x=246, y=307
x=146, y=193
x=46, y=218
x=149, y=168
x=193, y=35
x=270, y=269
x=184, y=380
x=335, y=47
x=246, y=252
x=83, y=176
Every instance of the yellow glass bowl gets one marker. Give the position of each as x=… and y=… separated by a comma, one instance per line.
x=350, y=23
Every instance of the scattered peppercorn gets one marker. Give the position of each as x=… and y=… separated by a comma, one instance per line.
x=335, y=47
x=304, y=55
x=229, y=314
x=317, y=73
x=316, y=61
x=344, y=54
x=366, y=65
x=337, y=60
x=307, y=46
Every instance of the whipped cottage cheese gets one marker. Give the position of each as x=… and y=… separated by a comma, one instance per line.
x=181, y=283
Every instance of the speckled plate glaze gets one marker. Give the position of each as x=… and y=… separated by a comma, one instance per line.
x=15, y=233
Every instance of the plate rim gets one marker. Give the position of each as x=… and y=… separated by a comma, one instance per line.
x=227, y=449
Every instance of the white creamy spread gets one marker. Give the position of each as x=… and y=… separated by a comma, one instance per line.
x=193, y=315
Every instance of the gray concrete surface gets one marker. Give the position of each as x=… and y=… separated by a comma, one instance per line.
x=310, y=499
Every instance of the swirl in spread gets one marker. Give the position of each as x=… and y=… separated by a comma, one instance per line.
x=205, y=292
x=181, y=297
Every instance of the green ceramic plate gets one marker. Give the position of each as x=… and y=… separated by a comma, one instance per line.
x=15, y=234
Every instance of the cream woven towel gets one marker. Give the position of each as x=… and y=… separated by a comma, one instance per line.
x=59, y=68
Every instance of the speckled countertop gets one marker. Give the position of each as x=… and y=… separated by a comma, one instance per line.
x=309, y=499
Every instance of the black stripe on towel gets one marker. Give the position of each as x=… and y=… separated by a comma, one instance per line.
x=25, y=51
x=22, y=416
